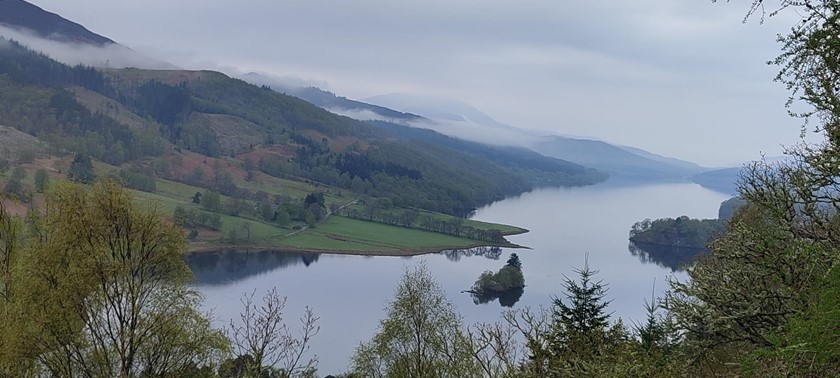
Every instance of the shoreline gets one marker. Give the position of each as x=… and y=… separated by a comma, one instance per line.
x=249, y=248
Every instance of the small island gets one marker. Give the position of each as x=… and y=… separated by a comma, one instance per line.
x=682, y=232
x=675, y=242
x=507, y=285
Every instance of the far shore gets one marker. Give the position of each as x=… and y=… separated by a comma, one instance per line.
x=245, y=248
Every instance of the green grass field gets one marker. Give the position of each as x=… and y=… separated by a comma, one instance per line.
x=355, y=236
x=335, y=234
x=505, y=229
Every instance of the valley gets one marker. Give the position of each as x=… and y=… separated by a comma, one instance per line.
x=274, y=172
x=476, y=199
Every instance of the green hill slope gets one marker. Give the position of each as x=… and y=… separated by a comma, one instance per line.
x=252, y=145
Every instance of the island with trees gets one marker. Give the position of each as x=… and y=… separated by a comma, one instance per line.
x=675, y=242
x=681, y=232
x=507, y=284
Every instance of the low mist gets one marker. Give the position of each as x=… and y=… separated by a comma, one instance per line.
x=112, y=55
x=480, y=133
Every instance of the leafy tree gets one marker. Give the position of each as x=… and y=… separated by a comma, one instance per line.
x=106, y=290
x=283, y=218
x=180, y=216
x=264, y=343
x=266, y=211
x=41, y=180
x=211, y=201
x=234, y=206
x=768, y=270
x=316, y=198
x=421, y=336
x=809, y=346
x=9, y=248
x=14, y=188
x=81, y=170
x=310, y=218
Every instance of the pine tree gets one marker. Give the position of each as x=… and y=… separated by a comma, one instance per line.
x=81, y=170
x=582, y=317
x=514, y=261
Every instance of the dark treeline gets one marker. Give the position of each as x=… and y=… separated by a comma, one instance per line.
x=357, y=165
x=27, y=67
x=381, y=211
x=677, y=232
x=55, y=116
x=35, y=103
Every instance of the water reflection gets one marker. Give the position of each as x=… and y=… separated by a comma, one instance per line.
x=220, y=268
x=455, y=255
x=506, y=298
x=674, y=258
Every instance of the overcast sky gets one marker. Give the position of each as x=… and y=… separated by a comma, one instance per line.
x=682, y=78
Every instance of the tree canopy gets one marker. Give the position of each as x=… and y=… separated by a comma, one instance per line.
x=100, y=290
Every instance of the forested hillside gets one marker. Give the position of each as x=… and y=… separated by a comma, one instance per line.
x=213, y=115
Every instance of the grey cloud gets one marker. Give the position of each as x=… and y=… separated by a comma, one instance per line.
x=649, y=73
x=114, y=55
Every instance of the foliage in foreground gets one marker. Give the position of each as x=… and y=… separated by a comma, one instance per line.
x=96, y=286
x=422, y=335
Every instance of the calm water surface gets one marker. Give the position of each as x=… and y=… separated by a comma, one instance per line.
x=349, y=293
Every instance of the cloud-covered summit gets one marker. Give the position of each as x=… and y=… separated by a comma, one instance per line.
x=646, y=73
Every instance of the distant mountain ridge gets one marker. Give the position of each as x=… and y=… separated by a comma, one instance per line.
x=461, y=120
x=722, y=180
x=612, y=159
x=452, y=117
x=67, y=41
x=20, y=14
x=135, y=116
x=662, y=159
x=329, y=100
x=442, y=109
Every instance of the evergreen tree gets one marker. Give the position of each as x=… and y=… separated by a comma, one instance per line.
x=514, y=261
x=81, y=170
x=582, y=317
